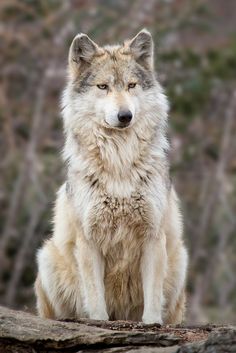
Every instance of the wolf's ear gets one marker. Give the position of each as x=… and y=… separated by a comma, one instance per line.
x=141, y=46
x=82, y=51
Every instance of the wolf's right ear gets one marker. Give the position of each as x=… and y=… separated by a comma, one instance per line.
x=82, y=51
x=141, y=46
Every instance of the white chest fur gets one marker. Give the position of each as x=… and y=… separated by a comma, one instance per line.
x=109, y=219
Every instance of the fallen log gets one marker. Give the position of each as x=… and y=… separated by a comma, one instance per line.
x=22, y=332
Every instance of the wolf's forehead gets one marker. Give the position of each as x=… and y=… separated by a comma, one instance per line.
x=115, y=69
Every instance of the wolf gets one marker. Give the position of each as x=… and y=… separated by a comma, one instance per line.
x=117, y=249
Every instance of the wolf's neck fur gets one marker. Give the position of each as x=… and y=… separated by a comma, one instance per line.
x=116, y=158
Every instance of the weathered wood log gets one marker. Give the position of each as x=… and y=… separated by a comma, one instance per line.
x=22, y=332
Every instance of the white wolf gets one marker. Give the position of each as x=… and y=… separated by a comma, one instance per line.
x=117, y=250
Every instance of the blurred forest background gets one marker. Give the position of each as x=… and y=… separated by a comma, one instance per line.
x=196, y=63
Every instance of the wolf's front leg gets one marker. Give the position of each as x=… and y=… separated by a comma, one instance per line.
x=91, y=271
x=153, y=270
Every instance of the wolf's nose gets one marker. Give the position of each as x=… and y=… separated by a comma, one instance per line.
x=125, y=116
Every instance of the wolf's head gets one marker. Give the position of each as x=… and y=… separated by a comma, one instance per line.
x=113, y=86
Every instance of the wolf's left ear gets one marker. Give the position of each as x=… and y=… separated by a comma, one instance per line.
x=82, y=51
x=141, y=47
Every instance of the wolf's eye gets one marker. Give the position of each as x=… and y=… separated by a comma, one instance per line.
x=131, y=85
x=102, y=86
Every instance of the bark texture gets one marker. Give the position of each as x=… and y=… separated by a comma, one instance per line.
x=22, y=332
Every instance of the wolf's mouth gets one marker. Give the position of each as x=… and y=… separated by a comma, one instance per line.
x=121, y=126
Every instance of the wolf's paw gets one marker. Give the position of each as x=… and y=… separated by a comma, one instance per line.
x=152, y=319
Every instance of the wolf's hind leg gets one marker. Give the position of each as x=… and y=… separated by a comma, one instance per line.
x=175, y=286
x=44, y=307
x=57, y=287
x=176, y=314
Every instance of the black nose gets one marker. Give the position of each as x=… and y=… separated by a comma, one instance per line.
x=125, y=116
